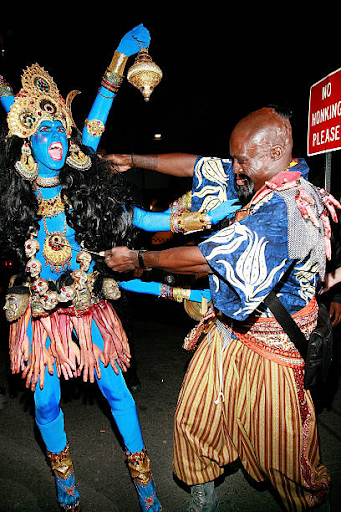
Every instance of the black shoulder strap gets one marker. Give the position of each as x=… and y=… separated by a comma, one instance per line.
x=284, y=318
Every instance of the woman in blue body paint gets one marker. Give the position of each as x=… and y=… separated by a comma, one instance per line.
x=60, y=207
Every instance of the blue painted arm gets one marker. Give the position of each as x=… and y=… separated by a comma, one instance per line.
x=160, y=221
x=151, y=221
x=7, y=102
x=154, y=288
x=6, y=94
x=95, y=123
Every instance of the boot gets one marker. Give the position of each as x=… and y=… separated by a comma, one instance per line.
x=139, y=468
x=324, y=506
x=203, y=498
x=67, y=493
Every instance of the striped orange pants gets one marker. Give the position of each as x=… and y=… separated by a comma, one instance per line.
x=235, y=403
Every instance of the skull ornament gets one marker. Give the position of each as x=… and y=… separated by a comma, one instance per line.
x=67, y=293
x=110, y=289
x=84, y=260
x=40, y=285
x=37, y=307
x=32, y=246
x=34, y=267
x=16, y=305
x=80, y=278
x=50, y=300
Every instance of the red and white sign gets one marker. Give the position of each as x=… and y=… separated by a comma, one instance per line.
x=324, y=122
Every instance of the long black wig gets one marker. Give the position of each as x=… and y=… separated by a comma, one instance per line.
x=99, y=204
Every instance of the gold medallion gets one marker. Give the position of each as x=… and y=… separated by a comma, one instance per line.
x=57, y=251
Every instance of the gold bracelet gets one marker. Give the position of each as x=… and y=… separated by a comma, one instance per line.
x=179, y=294
x=187, y=222
x=118, y=63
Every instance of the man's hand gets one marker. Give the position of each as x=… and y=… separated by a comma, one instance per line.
x=121, y=259
x=185, y=260
x=118, y=163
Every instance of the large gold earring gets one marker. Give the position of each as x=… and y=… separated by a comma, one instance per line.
x=77, y=159
x=26, y=166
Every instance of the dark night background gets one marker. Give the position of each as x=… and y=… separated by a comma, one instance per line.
x=218, y=64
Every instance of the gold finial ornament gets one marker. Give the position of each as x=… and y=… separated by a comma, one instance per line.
x=144, y=74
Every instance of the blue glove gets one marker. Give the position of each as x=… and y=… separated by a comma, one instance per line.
x=198, y=295
x=134, y=40
x=151, y=221
x=226, y=210
x=154, y=288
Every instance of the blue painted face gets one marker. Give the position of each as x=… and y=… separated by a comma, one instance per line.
x=50, y=146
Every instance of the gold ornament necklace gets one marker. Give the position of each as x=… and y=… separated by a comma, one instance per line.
x=57, y=250
x=50, y=207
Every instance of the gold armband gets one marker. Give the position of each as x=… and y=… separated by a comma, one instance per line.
x=182, y=204
x=113, y=77
x=5, y=88
x=180, y=294
x=188, y=222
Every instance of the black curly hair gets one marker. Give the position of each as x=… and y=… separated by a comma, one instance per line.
x=99, y=204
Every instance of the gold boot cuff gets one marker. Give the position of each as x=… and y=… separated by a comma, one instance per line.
x=139, y=467
x=61, y=463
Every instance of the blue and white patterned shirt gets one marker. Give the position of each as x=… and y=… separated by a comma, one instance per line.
x=273, y=247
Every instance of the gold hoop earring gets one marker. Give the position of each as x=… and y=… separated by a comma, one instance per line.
x=26, y=166
x=77, y=159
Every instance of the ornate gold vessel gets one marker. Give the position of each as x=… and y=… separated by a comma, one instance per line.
x=144, y=74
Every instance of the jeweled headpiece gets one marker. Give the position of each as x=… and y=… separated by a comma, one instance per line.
x=38, y=100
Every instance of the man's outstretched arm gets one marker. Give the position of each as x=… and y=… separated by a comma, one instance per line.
x=175, y=164
x=186, y=260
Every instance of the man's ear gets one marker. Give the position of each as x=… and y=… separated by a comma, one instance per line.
x=276, y=152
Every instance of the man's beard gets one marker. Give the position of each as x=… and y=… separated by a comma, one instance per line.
x=246, y=191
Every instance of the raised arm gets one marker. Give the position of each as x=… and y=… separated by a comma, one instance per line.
x=175, y=164
x=95, y=123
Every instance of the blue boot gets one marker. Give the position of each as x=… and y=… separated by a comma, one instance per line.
x=67, y=492
x=139, y=467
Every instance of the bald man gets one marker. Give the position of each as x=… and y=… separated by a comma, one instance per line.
x=243, y=394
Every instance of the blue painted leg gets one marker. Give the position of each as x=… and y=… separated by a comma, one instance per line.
x=67, y=493
x=139, y=467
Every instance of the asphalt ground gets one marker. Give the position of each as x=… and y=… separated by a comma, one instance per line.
x=27, y=484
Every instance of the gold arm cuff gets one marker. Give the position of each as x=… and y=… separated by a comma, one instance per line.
x=118, y=63
x=181, y=204
x=187, y=222
x=179, y=294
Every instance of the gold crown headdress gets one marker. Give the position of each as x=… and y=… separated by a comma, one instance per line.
x=38, y=100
